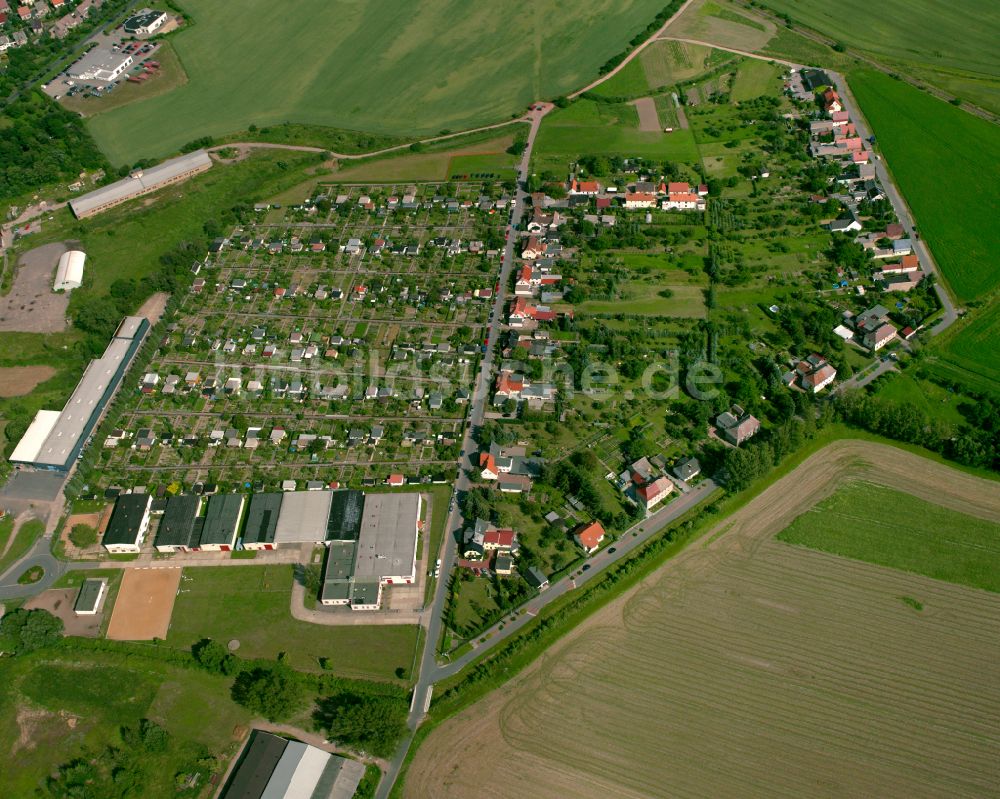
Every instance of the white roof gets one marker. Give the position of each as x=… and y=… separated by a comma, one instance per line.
x=69, y=272
x=297, y=773
x=143, y=181
x=387, y=541
x=31, y=442
x=303, y=517
x=844, y=332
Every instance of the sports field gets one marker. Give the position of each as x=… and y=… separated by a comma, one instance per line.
x=889, y=528
x=960, y=225
x=957, y=42
x=381, y=66
x=747, y=667
x=145, y=601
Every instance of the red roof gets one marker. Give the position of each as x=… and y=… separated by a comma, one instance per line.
x=525, y=273
x=487, y=463
x=499, y=538
x=910, y=262
x=639, y=197
x=654, y=490
x=395, y=480
x=586, y=186
x=590, y=535
x=603, y=202
x=678, y=188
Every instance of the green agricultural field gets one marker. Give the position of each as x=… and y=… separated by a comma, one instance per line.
x=496, y=166
x=968, y=354
x=57, y=704
x=591, y=128
x=380, y=66
x=888, y=528
x=666, y=63
x=630, y=82
x=956, y=47
x=960, y=226
x=251, y=604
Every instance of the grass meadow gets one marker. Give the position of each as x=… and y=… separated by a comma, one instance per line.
x=251, y=604
x=929, y=143
x=379, y=66
x=888, y=528
x=55, y=704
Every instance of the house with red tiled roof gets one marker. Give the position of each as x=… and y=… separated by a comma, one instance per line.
x=640, y=199
x=736, y=425
x=488, y=466
x=831, y=102
x=653, y=492
x=510, y=384
x=683, y=202
x=589, y=536
x=587, y=187
x=395, y=480
x=815, y=373
x=499, y=540
x=535, y=248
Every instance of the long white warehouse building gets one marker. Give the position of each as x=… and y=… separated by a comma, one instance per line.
x=140, y=182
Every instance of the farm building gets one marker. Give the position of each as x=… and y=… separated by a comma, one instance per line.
x=140, y=182
x=222, y=520
x=89, y=599
x=262, y=521
x=270, y=766
x=128, y=524
x=101, y=63
x=69, y=271
x=385, y=553
x=144, y=23
x=179, y=529
x=54, y=440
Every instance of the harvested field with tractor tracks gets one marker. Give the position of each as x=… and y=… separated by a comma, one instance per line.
x=750, y=667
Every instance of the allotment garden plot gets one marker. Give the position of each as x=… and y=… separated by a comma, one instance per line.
x=333, y=341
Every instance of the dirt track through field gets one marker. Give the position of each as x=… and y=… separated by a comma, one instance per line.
x=649, y=120
x=144, y=605
x=747, y=667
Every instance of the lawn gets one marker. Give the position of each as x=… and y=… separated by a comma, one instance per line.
x=65, y=702
x=959, y=226
x=929, y=397
x=380, y=66
x=630, y=82
x=591, y=128
x=753, y=79
x=251, y=604
x=26, y=537
x=645, y=300
x=493, y=166
x=959, y=42
x=888, y=528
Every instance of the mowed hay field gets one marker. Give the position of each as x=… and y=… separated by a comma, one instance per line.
x=929, y=144
x=380, y=66
x=749, y=667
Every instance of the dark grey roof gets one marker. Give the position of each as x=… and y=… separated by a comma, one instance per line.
x=90, y=595
x=177, y=525
x=221, y=519
x=126, y=519
x=346, y=510
x=262, y=518
x=255, y=767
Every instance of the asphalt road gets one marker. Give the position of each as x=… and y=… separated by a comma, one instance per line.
x=477, y=407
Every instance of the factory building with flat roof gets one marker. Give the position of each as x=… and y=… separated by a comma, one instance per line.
x=128, y=524
x=55, y=439
x=140, y=182
x=385, y=553
x=179, y=530
x=262, y=521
